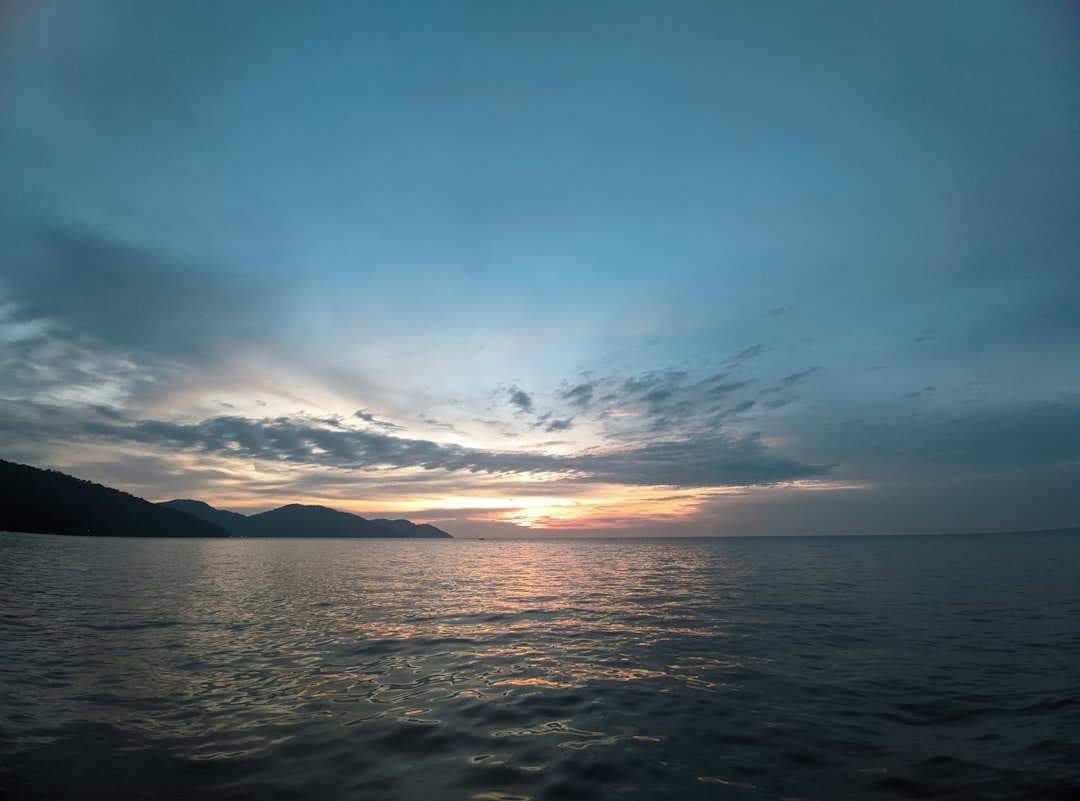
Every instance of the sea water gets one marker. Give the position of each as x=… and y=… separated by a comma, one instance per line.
x=741, y=668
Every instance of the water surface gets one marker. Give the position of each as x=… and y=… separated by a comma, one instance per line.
x=811, y=668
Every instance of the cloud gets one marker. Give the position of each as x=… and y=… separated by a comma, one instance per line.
x=332, y=442
x=45, y=365
x=549, y=423
x=783, y=385
x=559, y=425
x=520, y=399
x=717, y=461
x=795, y=378
x=746, y=354
x=670, y=401
x=579, y=395
x=367, y=417
x=94, y=285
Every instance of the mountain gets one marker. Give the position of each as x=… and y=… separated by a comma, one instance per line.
x=50, y=502
x=298, y=520
x=406, y=528
x=234, y=523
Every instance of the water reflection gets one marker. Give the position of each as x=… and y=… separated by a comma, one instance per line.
x=396, y=669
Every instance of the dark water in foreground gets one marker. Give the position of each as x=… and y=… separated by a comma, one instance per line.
x=819, y=668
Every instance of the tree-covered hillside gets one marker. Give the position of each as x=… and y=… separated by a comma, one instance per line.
x=50, y=502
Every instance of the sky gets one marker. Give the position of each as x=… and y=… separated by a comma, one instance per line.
x=550, y=268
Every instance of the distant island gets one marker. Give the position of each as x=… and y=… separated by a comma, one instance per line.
x=298, y=520
x=50, y=502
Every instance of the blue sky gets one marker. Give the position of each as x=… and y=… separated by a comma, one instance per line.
x=625, y=268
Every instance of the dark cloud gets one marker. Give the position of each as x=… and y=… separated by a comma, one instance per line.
x=713, y=388
x=94, y=285
x=296, y=440
x=653, y=387
x=672, y=402
x=522, y=400
x=795, y=378
x=558, y=425
x=783, y=385
x=330, y=442
x=737, y=409
x=367, y=417
x=715, y=461
x=746, y=354
x=579, y=395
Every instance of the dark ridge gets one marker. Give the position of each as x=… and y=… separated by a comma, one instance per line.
x=51, y=502
x=233, y=522
x=298, y=520
x=406, y=528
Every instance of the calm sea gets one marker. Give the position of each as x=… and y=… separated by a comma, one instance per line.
x=784, y=668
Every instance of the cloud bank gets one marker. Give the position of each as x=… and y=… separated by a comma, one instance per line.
x=711, y=461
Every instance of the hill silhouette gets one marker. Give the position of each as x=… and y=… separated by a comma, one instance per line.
x=51, y=502
x=233, y=522
x=299, y=520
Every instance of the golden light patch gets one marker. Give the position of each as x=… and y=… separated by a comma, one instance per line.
x=607, y=507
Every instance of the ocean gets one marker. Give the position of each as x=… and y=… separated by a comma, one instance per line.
x=728, y=668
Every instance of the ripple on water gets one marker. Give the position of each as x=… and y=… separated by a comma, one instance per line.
x=400, y=671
